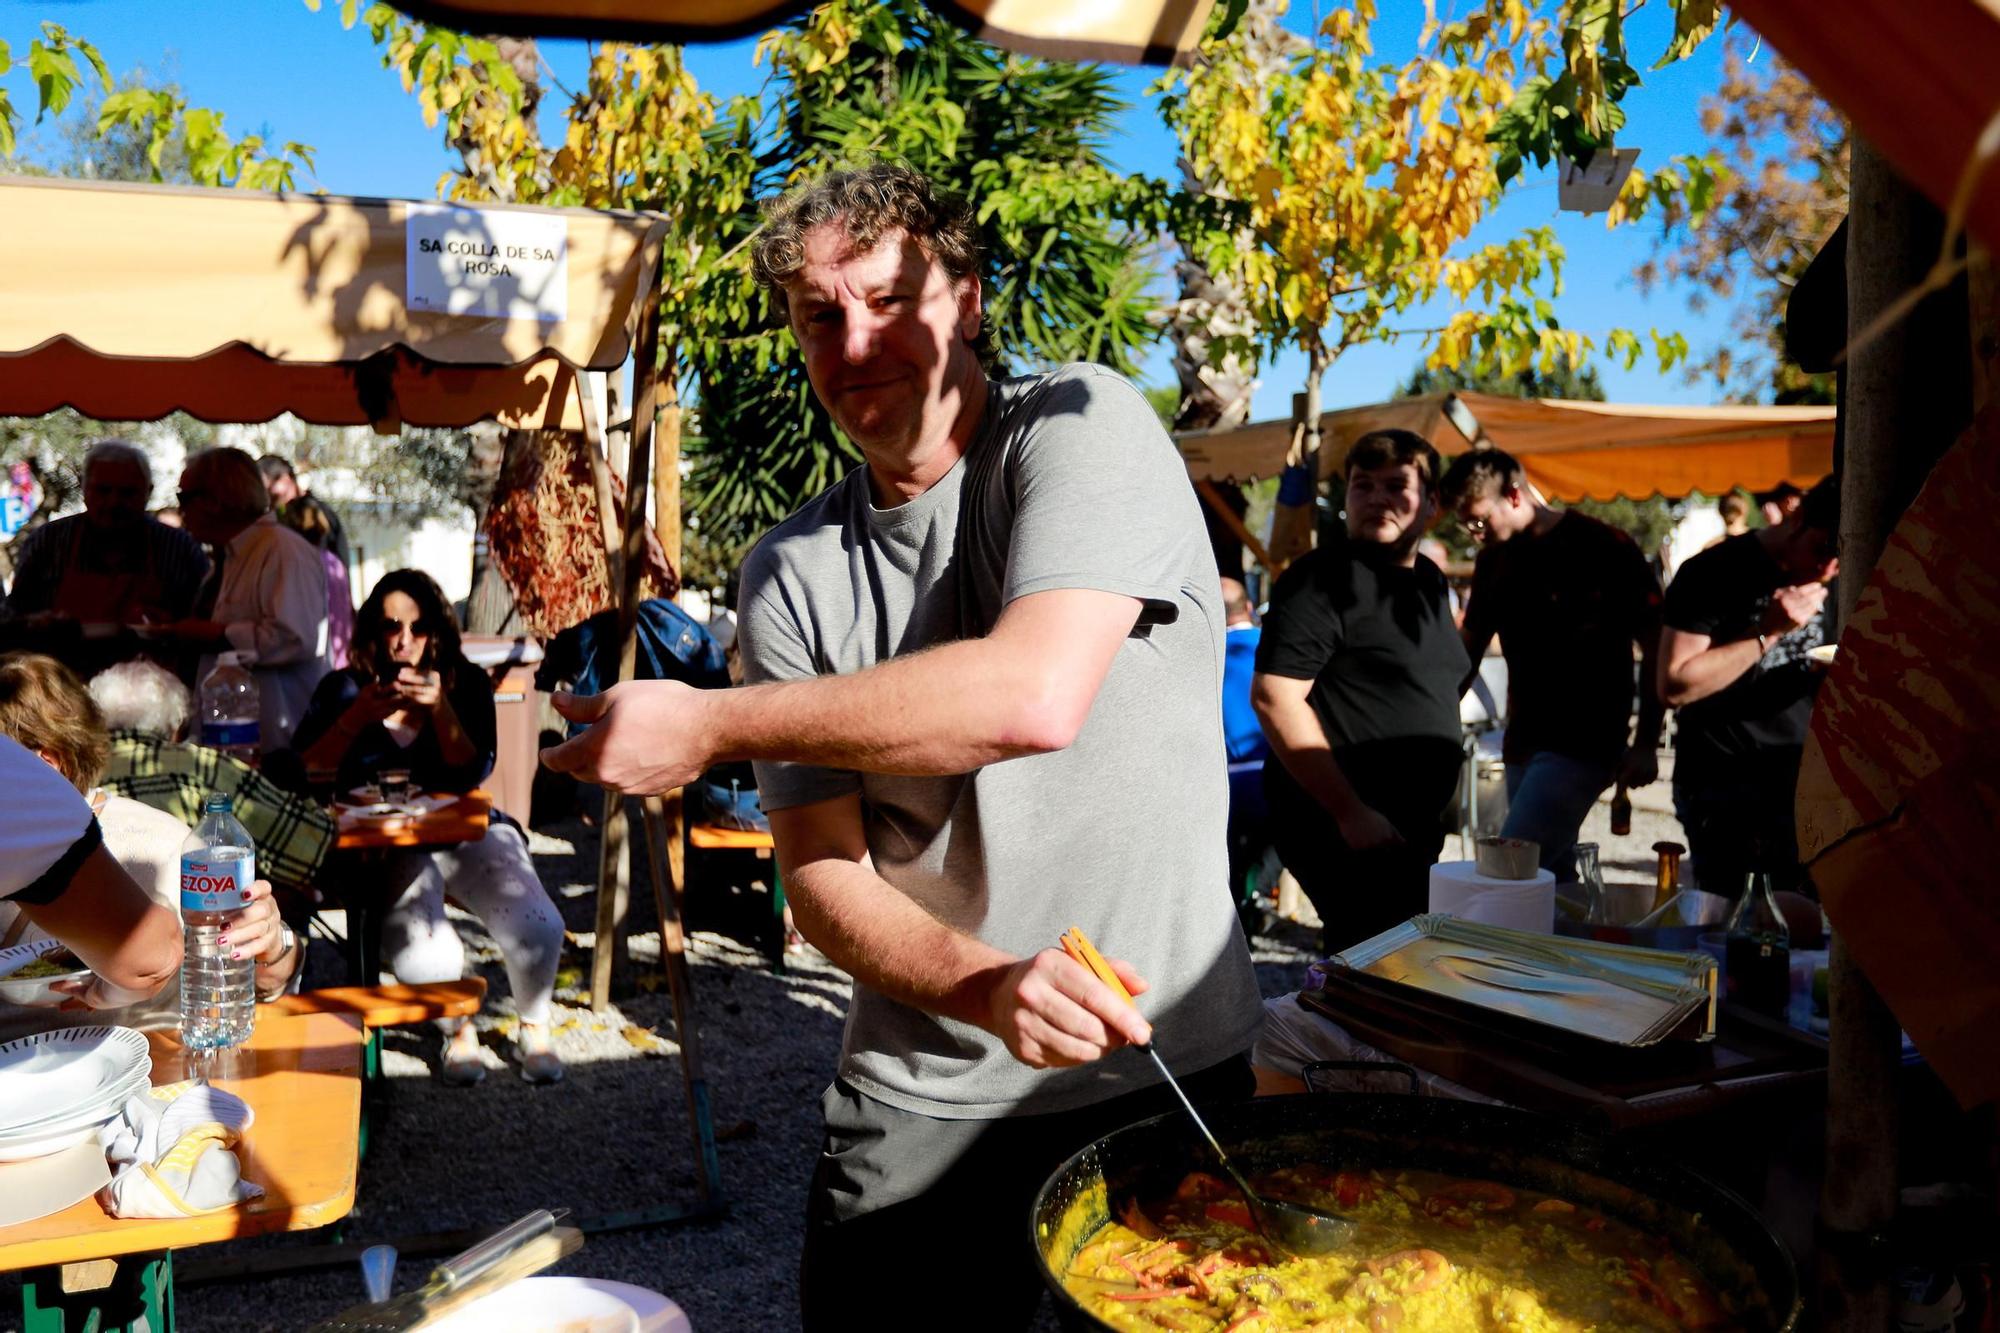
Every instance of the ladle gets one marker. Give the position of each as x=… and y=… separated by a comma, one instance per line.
x=1292, y=1227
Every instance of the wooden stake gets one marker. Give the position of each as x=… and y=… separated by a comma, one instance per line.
x=609, y=963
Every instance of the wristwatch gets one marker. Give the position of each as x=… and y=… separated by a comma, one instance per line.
x=1763, y=645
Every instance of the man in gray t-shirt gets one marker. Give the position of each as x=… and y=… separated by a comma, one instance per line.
x=985, y=677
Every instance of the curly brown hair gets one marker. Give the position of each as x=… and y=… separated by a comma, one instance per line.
x=869, y=203
x=47, y=709
x=367, y=653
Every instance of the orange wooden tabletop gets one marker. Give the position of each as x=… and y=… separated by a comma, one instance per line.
x=302, y=1077
x=464, y=820
x=714, y=837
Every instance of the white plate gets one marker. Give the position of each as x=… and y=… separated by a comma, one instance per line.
x=567, y=1305
x=34, y=991
x=94, y=1110
x=26, y=1149
x=50, y=1076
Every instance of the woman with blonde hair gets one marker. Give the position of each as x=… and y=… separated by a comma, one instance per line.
x=45, y=708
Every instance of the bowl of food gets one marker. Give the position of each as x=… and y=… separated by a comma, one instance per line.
x=1467, y=1216
x=41, y=980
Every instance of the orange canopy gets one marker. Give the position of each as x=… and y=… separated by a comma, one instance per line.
x=1916, y=80
x=1149, y=32
x=1571, y=450
x=127, y=302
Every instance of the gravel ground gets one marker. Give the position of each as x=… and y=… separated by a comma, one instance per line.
x=613, y=1137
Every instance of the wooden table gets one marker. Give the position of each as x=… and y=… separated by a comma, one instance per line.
x=465, y=819
x=302, y=1077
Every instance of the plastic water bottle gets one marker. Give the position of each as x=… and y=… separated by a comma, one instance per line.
x=218, y=993
x=230, y=707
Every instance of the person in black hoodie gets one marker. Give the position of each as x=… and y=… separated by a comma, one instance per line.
x=409, y=700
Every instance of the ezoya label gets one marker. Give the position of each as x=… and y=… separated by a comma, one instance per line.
x=216, y=885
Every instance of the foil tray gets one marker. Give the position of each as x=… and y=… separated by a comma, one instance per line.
x=1610, y=992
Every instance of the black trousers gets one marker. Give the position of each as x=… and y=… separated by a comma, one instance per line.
x=1359, y=894
x=919, y=1223
x=1741, y=821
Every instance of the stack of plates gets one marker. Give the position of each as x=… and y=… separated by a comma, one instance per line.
x=57, y=1088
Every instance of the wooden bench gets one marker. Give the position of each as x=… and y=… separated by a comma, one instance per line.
x=717, y=838
x=378, y=1007
x=389, y=1006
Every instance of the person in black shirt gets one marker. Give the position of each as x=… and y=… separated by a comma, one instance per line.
x=409, y=700
x=1357, y=685
x=302, y=511
x=1741, y=619
x=1569, y=597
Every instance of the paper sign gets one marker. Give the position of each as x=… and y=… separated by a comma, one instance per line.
x=488, y=263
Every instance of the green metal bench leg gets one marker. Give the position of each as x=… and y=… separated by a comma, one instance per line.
x=778, y=911
x=139, y=1299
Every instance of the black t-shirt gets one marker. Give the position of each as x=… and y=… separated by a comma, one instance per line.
x=374, y=749
x=1761, y=718
x=1375, y=639
x=1568, y=606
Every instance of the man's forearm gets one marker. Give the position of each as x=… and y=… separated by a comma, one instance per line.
x=1652, y=711
x=1301, y=746
x=889, y=944
x=1711, y=671
x=950, y=709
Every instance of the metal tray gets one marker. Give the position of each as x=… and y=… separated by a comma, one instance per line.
x=1610, y=992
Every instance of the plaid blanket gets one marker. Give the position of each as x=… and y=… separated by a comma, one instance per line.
x=293, y=833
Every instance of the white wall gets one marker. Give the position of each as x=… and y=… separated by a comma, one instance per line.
x=381, y=542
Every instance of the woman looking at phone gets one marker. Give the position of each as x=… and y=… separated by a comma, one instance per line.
x=409, y=700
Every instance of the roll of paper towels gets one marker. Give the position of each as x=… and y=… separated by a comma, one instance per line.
x=1457, y=888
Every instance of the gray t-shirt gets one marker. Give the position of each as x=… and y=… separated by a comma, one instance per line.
x=1071, y=483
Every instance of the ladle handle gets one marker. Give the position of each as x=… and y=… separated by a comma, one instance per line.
x=1078, y=946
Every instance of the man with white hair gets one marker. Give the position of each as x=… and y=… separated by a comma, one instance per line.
x=113, y=563
x=267, y=597
x=145, y=707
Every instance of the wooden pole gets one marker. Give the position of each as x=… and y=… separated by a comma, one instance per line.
x=1237, y=527
x=667, y=467
x=670, y=809
x=662, y=822
x=609, y=963
x=1892, y=239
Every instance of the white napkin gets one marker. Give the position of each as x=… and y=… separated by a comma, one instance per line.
x=171, y=1153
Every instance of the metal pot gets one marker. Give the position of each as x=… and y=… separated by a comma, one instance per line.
x=1714, y=1228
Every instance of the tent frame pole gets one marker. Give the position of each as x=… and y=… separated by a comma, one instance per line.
x=661, y=813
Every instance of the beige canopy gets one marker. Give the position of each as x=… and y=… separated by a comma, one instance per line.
x=127, y=302
x=1572, y=450
x=1153, y=32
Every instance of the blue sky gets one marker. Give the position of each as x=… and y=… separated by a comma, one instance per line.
x=275, y=67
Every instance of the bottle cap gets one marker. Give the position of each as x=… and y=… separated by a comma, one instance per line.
x=217, y=801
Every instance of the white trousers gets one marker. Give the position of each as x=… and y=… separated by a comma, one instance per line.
x=495, y=880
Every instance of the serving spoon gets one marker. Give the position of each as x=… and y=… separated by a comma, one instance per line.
x=1293, y=1227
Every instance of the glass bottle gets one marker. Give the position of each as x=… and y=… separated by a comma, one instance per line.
x=1667, y=884
x=1597, y=912
x=1621, y=812
x=1758, y=958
